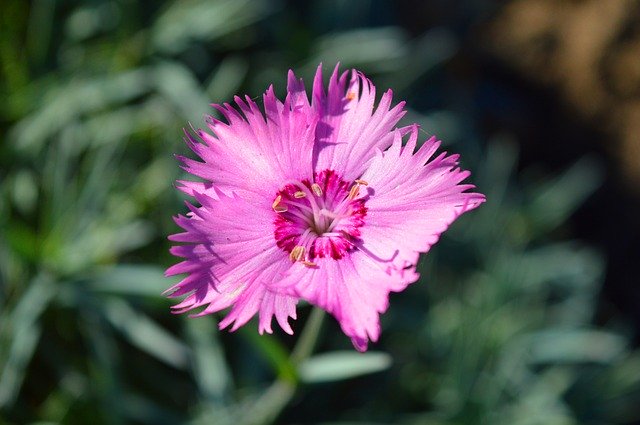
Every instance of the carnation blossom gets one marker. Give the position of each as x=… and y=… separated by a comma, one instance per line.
x=323, y=200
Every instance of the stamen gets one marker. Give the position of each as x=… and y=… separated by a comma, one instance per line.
x=316, y=189
x=276, y=202
x=355, y=189
x=280, y=208
x=351, y=95
x=277, y=206
x=319, y=224
x=297, y=253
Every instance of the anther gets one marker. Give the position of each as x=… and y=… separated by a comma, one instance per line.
x=299, y=194
x=297, y=253
x=316, y=189
x=276, y=202
x=362, y=182
x=351, y=95
x=277, y=207
x=309, y=264
x=354, y=191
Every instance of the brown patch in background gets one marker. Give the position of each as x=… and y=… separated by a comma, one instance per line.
x=589, y=50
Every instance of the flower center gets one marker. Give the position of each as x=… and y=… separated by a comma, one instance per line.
x=319, y=219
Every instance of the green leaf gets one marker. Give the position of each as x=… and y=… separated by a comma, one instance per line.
x=379, y=49
x=125, y=279
x=64, y=103
x=23, y=335
x=188, y=20
x=274, y=352
x=181, y=88
x=145, y=334
x=573, y=346
x=555, y=201
x=210, y=370
x=340, y=365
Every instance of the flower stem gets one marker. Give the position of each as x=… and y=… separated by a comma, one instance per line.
x=307, y=342
x=275, y=398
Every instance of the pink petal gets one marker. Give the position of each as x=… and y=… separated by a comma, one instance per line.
x=355, y=290
x=250, y=152
x=412, y=201
x=350, y=127
x=231, y=262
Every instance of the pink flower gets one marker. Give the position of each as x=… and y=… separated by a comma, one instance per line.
x=312, y=200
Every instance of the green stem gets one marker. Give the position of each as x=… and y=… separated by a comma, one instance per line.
x=275, y=398
x=307, y=342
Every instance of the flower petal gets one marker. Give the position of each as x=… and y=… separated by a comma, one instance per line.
x=412, y=201
x=350, y=128
x=230, y=260
x=251, y=153
x=355, y=290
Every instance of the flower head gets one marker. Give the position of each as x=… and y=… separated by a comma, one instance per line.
x=318, y=200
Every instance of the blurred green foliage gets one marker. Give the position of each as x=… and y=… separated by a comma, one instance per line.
x=500, y=331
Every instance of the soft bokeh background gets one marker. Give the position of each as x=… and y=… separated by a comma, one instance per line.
x=527, y=311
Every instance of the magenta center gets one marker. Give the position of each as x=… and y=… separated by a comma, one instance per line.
x=320, y=218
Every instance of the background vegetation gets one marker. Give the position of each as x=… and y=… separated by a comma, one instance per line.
x=508, y=324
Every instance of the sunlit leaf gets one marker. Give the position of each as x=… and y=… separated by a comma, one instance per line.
x=187, y=21
x=340, y=365
x=210, y=370
x=144, y=280
x=145, y=334
x=586, y=345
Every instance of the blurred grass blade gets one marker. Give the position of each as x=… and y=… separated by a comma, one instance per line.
x=210, y=370
x=274, y=352
x=573, y=345
x=340, y=365
x=186, y=21
x=499, y=167
x=142, y=410
x=41, y=21
x=227, y=78
x=425, y=54
x=148, y=281
x=178, y=84
x=566, y=264
x=268, y=406
x=64, y=104
x=145, y=334
x=555, y=201
x=20, y=335
x=104, y=365
x=377, y=49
